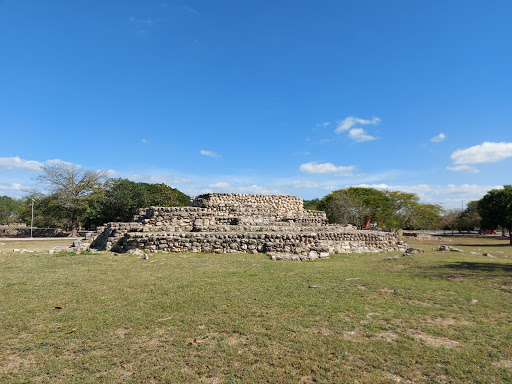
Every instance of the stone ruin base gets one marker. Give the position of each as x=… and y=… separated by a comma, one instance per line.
x=230, y=223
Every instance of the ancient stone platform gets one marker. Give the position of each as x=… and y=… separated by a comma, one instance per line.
x=239, y=223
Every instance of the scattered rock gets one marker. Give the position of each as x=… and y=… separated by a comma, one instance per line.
x=489, y=255
x=136, y=252
x=391, y=257
x=16, y=250
x=448, y=248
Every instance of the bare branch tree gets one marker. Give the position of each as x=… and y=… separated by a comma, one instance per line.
x=72, y=186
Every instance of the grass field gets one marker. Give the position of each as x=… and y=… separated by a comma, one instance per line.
x=438, y=317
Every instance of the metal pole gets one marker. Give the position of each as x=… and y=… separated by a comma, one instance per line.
x=32, y=219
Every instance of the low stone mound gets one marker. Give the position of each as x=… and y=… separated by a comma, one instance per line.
x=231, y=223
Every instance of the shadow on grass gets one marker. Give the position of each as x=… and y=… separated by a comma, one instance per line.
x=484, y=245
x=465, y=269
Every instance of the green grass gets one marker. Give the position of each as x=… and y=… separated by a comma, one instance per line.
x=438, y=317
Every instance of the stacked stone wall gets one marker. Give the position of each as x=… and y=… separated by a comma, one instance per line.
x=274, y=202
x=230, y=223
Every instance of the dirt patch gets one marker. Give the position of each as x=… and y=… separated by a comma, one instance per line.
x=448, y=321
x=455, y=277
x=121, y=332
x=435, y=341
x=503, y=364
x=388, y=336
x=324, y=331
x=387, y=290
x=236, y=340
x=396, y=378
x=15, y=362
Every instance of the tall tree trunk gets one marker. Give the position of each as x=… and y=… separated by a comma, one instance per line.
x=510, y=235
x=74, y=224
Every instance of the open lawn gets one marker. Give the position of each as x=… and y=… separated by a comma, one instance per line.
x=438, y=317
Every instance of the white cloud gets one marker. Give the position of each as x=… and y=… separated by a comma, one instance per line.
x=57, y=162
x=350, y=121
x=359, y=135
x=327, y=168
x=148, y=21
x=486, y=152
x=303, y=153
x=12, y=190
x=259, y=190
x=438, y=138
x=450, y=196
x=10, y=163
x=464, y=168
x=220, y=185
x=144, y=141
x=209, y=153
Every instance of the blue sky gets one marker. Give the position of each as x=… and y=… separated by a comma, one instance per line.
x=286, y=97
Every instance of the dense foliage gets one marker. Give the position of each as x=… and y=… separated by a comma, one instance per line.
x=9, y=210
x=390, y=209
x=495, y=208
x=122, y=198
x=116, y=200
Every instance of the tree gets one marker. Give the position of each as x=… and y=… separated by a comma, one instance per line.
x=9, y=210
x=495, y=208
x=363, y=204
x=342, y=208
x=391, y=209
x=469, y=218
x=121, y=199
x=72, y=187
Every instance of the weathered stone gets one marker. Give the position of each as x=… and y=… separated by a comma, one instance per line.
x=230, y=223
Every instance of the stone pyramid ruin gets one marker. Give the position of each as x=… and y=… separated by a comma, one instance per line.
x=239, y=223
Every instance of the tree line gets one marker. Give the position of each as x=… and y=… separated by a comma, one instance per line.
x=87, y=198
x=79, y=198
x=400, y=210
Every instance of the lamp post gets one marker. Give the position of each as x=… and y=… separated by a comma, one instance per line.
x=32, y=219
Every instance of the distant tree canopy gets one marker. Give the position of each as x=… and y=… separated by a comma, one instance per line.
x=72, y=187
x=9, y=210
x=390, y=209
x=114, y=200
x=495, y=208
x=123, y=197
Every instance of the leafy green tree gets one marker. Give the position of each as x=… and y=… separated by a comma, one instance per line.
x=311, y=204
x=48, y=212
x=342, y=208
x=391, y=209
x=469, y=218
x=122, y=198
x=9, y=210
x=72, y=188
x=495, y=208
x=365, y=204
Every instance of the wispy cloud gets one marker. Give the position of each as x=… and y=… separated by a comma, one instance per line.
x=327, y=169
x=144, y=141
x=486, y=152
x=463, y=168
x=351, y=121
x=359, y=135
x=148, y=21
x=17, y=163
x=209, y=153
x=450, y=196
x=303, y=153
x=220, y=185
x=438, y=138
